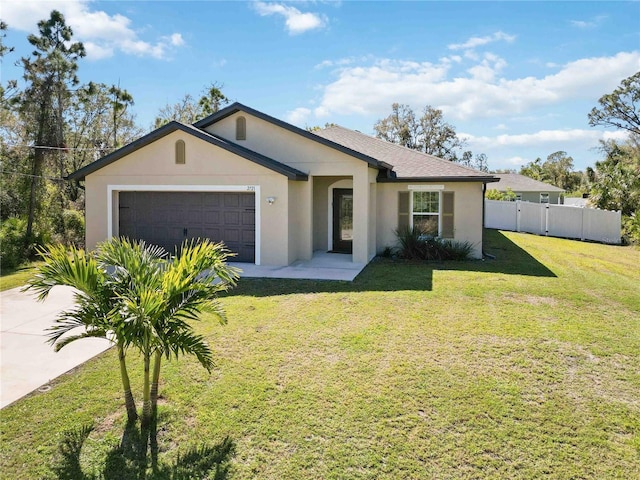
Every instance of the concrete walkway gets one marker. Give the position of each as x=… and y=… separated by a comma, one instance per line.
x=27, y=362
x=323, y=266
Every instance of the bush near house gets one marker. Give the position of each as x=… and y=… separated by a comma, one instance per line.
x=416, y=245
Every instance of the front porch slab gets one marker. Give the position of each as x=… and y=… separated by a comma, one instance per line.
x=323, y=266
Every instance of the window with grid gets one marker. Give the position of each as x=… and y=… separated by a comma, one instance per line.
x=426, y=212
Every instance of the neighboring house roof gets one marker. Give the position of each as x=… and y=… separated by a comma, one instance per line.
x=521, y=183
x=238, y=107
x=289, y=172
x=407, y=164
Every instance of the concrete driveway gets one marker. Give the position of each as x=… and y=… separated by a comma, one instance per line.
x=27, y=362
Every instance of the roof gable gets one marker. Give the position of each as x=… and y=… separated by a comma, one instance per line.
x=287, y=171
x=238, y=107
x=407, y=164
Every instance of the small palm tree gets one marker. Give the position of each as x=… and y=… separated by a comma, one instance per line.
x=95, y=313
x=132, y=294
x=163, y=298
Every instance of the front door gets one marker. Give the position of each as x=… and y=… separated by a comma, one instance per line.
x=343, y=220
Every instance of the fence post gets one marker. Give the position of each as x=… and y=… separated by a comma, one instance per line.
x=584, y=212
x=546, y=220
x=518, y=215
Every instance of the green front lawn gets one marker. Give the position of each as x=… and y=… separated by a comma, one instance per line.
x=526, y=366
x=16, y=277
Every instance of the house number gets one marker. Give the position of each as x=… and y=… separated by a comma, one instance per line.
x=251, y=188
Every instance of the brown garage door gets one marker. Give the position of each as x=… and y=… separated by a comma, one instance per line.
x=168, y=218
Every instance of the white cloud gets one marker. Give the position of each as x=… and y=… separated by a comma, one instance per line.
x=97, y=52
x=298, y=116
x=474, y=42
x=102, y=34
x=176, y=40
x=341, y=62
x=296, y=21
x=594, y=22
x=543, y=139
x=481, y=93
x=516, y=161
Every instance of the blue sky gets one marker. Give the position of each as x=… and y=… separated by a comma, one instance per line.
x=516, y=79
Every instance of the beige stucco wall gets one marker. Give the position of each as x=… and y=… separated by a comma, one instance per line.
x=467, y=213
x=206, y=165
x=314, y=159
x=300, y=221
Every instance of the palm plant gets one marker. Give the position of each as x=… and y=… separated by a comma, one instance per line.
x=132, y=294
x=95, y=313
x=163, y=297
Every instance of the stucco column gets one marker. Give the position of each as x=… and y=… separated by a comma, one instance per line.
x=361, y=212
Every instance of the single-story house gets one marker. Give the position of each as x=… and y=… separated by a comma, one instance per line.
x=527, y=189
x=275, y=193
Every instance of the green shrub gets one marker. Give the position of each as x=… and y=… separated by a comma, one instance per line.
x=631, y=229
x=415, y=245
x=73, y=221
x=12, y=247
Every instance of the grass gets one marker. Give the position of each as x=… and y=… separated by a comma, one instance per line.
x=12, y=278
x=521, y=367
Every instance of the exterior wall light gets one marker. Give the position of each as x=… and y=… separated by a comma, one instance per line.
x=271, y=200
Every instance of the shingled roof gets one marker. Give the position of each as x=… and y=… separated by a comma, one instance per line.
x=407, y=164
x=521, y=183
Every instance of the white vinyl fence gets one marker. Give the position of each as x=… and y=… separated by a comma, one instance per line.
x=554, y=220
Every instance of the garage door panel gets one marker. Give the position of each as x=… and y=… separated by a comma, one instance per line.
x=248, y=218
x=231, y=218
x=194, y=216
x=232, y=200
x=248, y=201
x=211, y=217
x=167, y=218
x=248, y=236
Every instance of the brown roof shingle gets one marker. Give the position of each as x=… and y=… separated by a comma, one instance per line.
x=407, y=163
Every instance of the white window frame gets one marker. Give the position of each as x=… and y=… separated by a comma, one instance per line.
x=430, y=214
x=547, y=197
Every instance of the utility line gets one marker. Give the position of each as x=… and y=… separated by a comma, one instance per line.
x=43, y=147
x=55, y=179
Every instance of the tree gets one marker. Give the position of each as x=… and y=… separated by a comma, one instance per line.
x=399, y=127
x=99, y=121
x=557, y=170
x=3, y=48
x=619, y=108
x=508, y=195
x=533, y=169
x=616, y=185
x=429, y=133
x=49, y=75
x=437, y=137
x=189, y=110
x=146, y=303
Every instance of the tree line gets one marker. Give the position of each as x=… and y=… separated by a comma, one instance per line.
x=51, y=124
